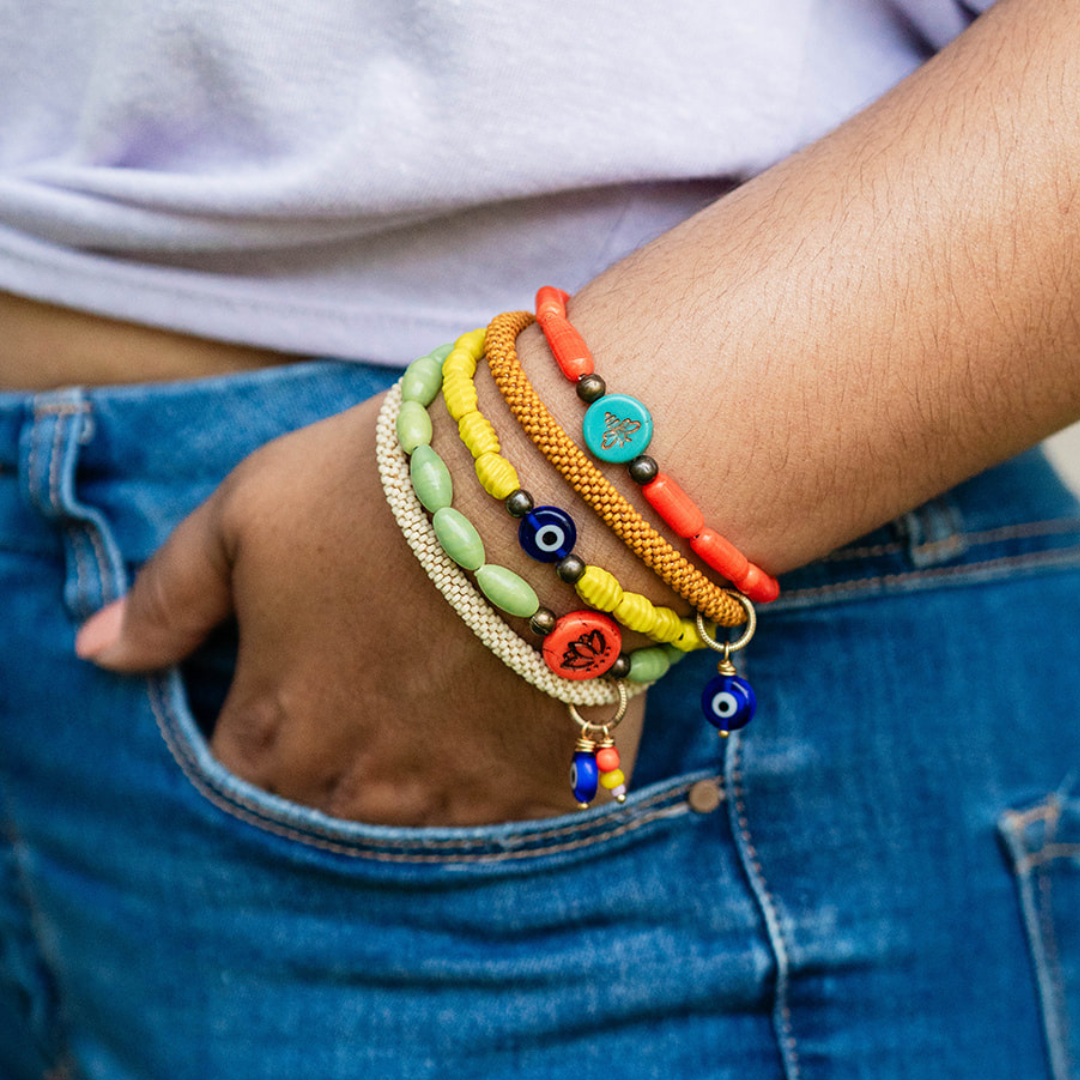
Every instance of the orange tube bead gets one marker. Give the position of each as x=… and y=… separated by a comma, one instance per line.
x=721, y=554
x=566, y=344
x=680, y=512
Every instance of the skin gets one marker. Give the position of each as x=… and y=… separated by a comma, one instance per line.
x=876, y=318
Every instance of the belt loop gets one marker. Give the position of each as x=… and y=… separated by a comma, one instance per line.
x=60, y=424
x=934, y=532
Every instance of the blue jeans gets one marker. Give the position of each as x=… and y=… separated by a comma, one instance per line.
x=880, y=877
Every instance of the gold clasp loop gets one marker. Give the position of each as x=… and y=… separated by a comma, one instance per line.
x=728, y=647
x=612, y=722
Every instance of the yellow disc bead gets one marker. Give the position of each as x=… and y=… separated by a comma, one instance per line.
x=613, y=779
x=636, y=612
x=459, y=362
x=459, y=393
x=688, y=639
x=498, y=477
x=473, y=342
x=599, y=589
x=668, y=625
x=478, y=435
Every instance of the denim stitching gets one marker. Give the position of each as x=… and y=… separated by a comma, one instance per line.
x=1057, y=556
x=1029, y=867
x=89, y=528
x=986, y=536
x=253, y=815
x=61, y=408
x=55, y=504
x=160, y=698
x=787, y=1043
x=62, y=1063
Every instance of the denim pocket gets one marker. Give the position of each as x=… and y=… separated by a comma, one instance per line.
x=652, y=808
x=1043, y=844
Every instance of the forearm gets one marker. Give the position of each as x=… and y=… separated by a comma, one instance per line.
x=876, y=318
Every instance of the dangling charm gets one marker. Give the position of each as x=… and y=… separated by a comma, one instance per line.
x=584, y=776
x=728, y=701
x=598, y=763
x=611, y=776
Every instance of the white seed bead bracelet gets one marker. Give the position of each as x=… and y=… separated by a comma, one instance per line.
x=452, y=582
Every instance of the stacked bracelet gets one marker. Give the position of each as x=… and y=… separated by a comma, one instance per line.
x=715, y=603
x=618, y=428
x=548, y=533
x=454, y=584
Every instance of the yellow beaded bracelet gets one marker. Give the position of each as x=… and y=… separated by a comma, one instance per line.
x=546, y=533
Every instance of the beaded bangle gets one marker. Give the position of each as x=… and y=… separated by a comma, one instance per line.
x=452, y=582
x=546, y=533
x=618, y=428
x=594, y=764
x=714, y=602
x=579, y=645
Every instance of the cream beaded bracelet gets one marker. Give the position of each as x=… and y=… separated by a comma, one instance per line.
x=459, y=591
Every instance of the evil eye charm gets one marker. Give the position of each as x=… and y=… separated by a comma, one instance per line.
x=584, y=777
x=547, y=534
x=728, y=702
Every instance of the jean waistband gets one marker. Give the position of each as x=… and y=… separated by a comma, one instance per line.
x=148, y=430
x=145, y=445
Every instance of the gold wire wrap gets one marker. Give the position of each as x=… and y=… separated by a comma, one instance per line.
x=715, y=603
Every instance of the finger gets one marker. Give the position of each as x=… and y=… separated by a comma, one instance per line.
x=178, y=597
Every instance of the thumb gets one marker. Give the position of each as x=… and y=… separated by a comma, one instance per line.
x=178, y=597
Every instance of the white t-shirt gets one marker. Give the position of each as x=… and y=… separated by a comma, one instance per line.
x=367, y=178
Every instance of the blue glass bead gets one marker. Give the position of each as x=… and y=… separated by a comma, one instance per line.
x=547, y=534
x=617, y=427
x=584, y=776
x=728, y=702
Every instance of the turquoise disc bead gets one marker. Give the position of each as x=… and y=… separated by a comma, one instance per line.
x=617, y=428
x=459, y=538
x=413, y=426
x=508, y=591
x=422, y=380
x=430, y=479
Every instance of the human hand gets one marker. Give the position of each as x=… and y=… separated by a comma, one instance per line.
x=357, y=689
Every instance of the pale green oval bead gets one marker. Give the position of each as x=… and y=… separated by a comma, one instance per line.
x=422, y=380
x=459, y=538
x=673, y=655
x=507, y=591
x=647, y=665
x=413, y=426
x=441, y=353
x=430, y=479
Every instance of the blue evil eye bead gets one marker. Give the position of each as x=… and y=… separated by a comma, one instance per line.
x=728, y=702
x=617, y=427
x=584, y=777
x=547, y=534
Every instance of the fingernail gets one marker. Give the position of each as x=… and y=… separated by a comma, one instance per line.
x=100, y=631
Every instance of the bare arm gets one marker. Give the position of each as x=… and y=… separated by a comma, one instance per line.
x=865, y=324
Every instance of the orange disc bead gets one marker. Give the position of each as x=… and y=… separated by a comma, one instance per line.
x=583, y=645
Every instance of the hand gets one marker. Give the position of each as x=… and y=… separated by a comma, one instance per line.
x=357, y=689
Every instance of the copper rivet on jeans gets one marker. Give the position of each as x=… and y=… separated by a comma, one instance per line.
x=705, y=796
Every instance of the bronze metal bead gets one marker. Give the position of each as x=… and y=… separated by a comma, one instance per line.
x=570, y=569
x=621, y=668
x=643, y=469
x=519, y=503
x=591, y=387
x=543, y=622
